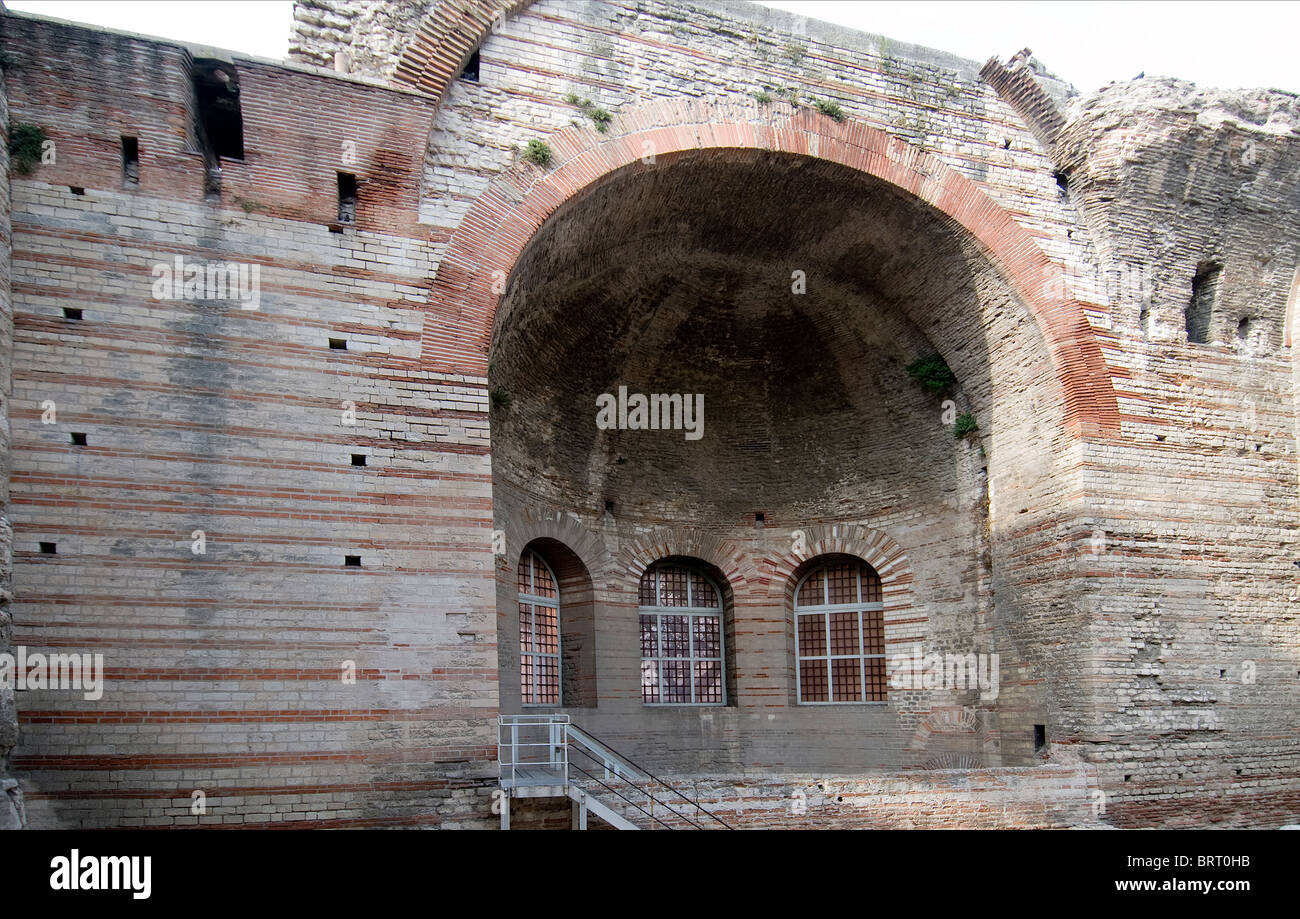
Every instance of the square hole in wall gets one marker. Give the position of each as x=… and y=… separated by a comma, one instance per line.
x=76, y=189
x=470, y=72
x=352, y=561
x=49, y=548
x=71, y=312
x=338, y=344
x=1200, y=310
x=78, y=439
x=358, y=459
x=347, y=198
x=130, y=161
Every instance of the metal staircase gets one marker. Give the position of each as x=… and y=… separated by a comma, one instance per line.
x=549, y=756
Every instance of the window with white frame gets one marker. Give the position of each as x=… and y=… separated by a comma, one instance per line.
x=539, y=631
x=681, y=638
x=840, y=634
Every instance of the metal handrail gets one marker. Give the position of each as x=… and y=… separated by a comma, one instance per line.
x=624, y=797
x=635, y=765
x=556, y=744
x=561, y=735
x=645, y=791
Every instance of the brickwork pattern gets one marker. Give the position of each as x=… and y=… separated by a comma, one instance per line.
x=1120, y=527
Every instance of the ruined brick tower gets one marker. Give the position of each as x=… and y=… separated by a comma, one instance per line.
x=303, y=361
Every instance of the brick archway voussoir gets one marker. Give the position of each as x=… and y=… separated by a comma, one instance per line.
x=489, y=241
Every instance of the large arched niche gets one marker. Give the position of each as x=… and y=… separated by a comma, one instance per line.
x=680, y=277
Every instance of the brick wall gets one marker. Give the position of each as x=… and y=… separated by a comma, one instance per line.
x=225, y=667
x=10, y=803
x=1132, y=573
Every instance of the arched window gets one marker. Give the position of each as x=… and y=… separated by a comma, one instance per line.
x=539, y=631
x=840, y=634
x=681, y=638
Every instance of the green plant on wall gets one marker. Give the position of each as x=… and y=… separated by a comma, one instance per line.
x=763, y=97
x=932, y=373
x=830, y=109
x=599, y=116
x=25, y=143
x=964, y=426
x=537, y=153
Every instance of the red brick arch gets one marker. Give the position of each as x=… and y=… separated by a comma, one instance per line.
x=446, y=39
x=483, y=251
x=664, y=542
x=903, y=622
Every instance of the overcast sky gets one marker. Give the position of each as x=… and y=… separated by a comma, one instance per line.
x=1229, y=45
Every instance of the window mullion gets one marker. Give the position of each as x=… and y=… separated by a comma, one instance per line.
x=862, y=648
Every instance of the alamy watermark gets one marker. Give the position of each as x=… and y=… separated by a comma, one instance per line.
x=83, y=672
x=945, y=671
x=183, y=280
x=655, y=412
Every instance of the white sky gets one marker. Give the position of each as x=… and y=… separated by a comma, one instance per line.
x=1223, y=44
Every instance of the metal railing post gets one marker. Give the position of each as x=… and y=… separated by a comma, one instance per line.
x=514, y=750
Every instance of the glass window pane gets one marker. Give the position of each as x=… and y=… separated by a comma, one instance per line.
x=649, y=636
x=649, y=681
x=870, y=586
x=677, y=681
x=672, y=586
x=873, y=635
x=526, y=678
x=812, y=591
x=708, y=636
x=708, y=681
x=548, y=680
x=543, y=583
x=702, y=593
x=875, y=667
x=546, y=630
x=812, y=681
x=675, y=636
x=526, y=627
x=812, y=634
x=525, y=585
x=847, y=681
x=844, y=633
x=646, y=593
x=843, y=580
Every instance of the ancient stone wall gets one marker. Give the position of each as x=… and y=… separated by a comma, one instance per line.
x=201, y=531
x=1133, y=564
x=11, y=810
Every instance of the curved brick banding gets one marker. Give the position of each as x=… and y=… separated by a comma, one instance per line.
x=493, y=235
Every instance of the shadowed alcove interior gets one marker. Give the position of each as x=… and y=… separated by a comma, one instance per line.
x=790, y=294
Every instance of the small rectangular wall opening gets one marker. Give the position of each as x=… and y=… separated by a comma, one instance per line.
x=130, y=161
x=338, y=344
x=352, y=561
x=1200, y=310
x=358, y=459
x=470, y=72
x=1040, y=738
x=347, y=198
x=78, y=439
x=71, y=312
x=220, y=119
x=49, y=548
